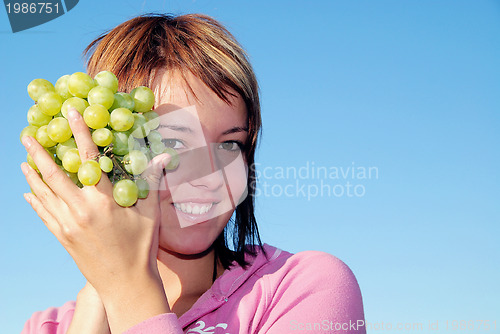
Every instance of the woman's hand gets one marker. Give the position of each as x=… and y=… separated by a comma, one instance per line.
x=115, y=248
x=90, y=315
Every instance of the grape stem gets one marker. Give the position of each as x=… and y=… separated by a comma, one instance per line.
x=118, y=166
x=118, y=170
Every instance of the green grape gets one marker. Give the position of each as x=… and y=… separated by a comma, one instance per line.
x=153, y=119
x=36, y=117
x=31, y=162
x=139, y=129
x=107, y=79
x=123, y=100
x=146, y=152
x=135, y=162
x=74, y=102
x=79, y=84
x=135, y=144
x=38, y=87
x=50, y=103
x=125, y=192
x=30, y=130
x=57, y=161
x=144, y=99
x=101, y=95
x=59, y=130
x=62, y=87
x=121, y=119
x=89, y=173
x=43, y=138
x=142, y=187
x=71, y=160
x=51, y=151
x=102, y=137
x=140, y=145
x=116, y=119
x=120, y=143
x=174, y=158
x=62, y=148
x=106, y=164
x=154, y=136
x=157, y=147
x=96, y=116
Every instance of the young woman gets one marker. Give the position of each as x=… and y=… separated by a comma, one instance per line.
x=165, y=265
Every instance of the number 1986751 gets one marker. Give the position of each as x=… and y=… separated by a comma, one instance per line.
x=471, y=325
x=32, y=8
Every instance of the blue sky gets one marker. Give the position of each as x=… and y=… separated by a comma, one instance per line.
x=410, y=89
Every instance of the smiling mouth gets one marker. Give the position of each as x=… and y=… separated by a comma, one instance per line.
x=193, y=208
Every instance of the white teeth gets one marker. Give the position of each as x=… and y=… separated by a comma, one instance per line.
x=195, y=209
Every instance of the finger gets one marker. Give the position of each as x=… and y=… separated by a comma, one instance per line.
x=45, y=215
x=86, y=147
x=58, y=182
x=153, y=175
x=37, y=185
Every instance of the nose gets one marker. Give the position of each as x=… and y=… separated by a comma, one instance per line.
x=211, y=181
x=207, y=172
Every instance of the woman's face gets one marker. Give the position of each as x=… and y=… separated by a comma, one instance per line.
x=198, y=198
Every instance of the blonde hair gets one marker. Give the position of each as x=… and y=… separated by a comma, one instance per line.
x=136, y=49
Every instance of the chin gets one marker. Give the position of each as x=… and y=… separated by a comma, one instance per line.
x=192, y=240
x=190, y=234
x=187, y=248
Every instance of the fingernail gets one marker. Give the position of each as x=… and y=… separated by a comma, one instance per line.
x=27, y=140
x=27, y=197
x=165, y=162
x=73, y=114
x=24, y=168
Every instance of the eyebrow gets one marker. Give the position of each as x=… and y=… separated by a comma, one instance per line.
x=235, y=130
x=177, y=128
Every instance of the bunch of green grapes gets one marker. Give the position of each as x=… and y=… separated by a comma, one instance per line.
x=123, y=126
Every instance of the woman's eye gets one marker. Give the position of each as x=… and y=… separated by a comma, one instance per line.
x=230, y=146
x=173, y=143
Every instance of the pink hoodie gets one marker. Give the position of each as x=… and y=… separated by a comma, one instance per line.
x=307, y=292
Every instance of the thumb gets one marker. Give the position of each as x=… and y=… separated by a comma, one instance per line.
x=150, y=205
x=153, y=175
